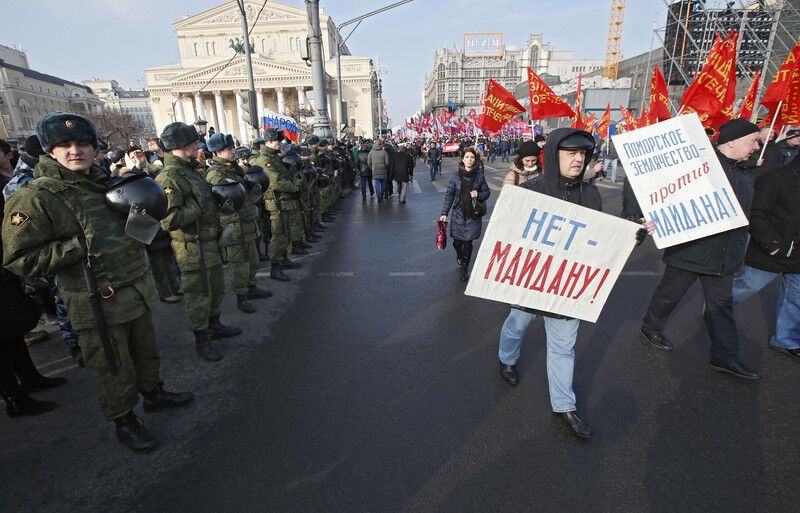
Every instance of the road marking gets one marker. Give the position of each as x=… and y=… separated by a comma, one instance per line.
x=439, y=185
x=263, y=274
x=415, y=189
x=641, y=273
x=54, y=362
x=403, y=274
x=335, y=274
x=62, y=369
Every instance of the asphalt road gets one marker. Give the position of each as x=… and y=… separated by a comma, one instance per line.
x=370, y=384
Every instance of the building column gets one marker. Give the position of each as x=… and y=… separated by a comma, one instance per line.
x=220, y=112
x=301, y=97
x=190, y=119
x=281, y=101
x=198, y=105
x=179, y=115
x=239, y=114
x=260, y=105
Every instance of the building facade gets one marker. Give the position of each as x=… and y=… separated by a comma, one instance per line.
x=210, y=82
x=27, y=95
x=134, y=102
x=462, y=79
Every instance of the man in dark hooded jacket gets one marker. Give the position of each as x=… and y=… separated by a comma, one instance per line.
x=566, y=157
x=713, y=260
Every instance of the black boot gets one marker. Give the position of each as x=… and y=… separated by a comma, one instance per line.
x=297, y=249
x=312, y=237
x=39, y=382
x=159, y=399
x=218, y=330
x=204, y=347
x=19, y=404
x=262, y=257
x=77, y=356
x=243, y=303
x=288, y=264
x=304, y=244
x=277, y=274
x=254, y=292
x=132, y=434
x=466, y=255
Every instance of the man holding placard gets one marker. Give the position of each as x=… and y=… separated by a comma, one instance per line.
x=701, y=220
x=552, y=254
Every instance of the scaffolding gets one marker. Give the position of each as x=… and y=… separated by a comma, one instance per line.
x=768, y=30
x=616, y=23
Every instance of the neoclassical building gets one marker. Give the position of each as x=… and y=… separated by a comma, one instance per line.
x=210, y=81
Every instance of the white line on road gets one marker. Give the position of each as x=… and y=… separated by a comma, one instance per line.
x=439, y=185
x=415, y=189
x=335, y=274
x=54, y=362
x=263, y=274
x=403, y=274
x=62, y=369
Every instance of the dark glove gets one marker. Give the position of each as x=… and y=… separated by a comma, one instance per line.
x=641, y=235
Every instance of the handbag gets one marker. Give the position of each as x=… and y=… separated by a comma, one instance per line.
x=478, y=208
x=441, y=235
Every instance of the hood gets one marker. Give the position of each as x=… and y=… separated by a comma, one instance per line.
x=551, y=165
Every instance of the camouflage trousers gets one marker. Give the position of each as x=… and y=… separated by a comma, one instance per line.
x=279, y=241
x=134, y=346
x=200, y=307
x=242, y=265
x=297, y=225
x=162, y=265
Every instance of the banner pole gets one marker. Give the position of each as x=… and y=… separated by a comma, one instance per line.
x=771, y=126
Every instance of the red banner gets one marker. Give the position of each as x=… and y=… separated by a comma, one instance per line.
x=605, y=123
x=746, y=108
x=577, y=119
x=644, y=118
x=544, y=102
x=498, y=107
x=710, y=93
x=785, y=89
x=659, y=96
x=630, y=121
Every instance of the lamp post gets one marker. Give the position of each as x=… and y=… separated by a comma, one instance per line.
x=357, y=20
x=201, y=127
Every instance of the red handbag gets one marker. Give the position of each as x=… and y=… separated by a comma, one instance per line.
x=441, y=235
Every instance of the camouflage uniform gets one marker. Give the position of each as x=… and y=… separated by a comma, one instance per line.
x=49, y=226
x=280, y=198
x=240, y=250
x=191, y=205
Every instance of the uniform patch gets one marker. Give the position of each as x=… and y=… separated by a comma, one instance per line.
x=18, y=218
x=168, y=190
x=69, y=123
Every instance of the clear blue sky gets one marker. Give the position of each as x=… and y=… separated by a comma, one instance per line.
x=117, y=39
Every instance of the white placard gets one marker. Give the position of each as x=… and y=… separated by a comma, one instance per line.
x=551, y=255
x=678, y=180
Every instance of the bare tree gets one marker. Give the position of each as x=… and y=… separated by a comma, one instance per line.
x=304, y=118
x=117, y=128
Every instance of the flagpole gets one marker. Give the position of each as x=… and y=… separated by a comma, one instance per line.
x=771, y=126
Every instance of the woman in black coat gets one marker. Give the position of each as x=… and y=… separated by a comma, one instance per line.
x=465, y=191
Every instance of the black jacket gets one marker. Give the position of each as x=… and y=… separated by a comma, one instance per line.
x=722, y=253
x=775, y=221
x=551, y=183
x=788, y=152
x=401, y=165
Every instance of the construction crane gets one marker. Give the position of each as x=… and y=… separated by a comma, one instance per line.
x=614, y=44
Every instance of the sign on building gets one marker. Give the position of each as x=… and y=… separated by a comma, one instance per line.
x=483, y=44
x=678, y=180
x=543, y=253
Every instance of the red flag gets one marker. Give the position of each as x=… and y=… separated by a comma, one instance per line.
x=659, y=96
x=577, y=119
x=588, y=123
x=746, y=108
x=498, y=107
x=630, y=121
x=544, y=102
x=644, y=118
x=785, y=89
x=710, y=92
x=605, y=123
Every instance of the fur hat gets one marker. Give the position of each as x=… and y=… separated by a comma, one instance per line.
x=312, y=140
x=59, y=127
x=219, y=142
x=528, y=149
x=178, y=135
x=273, y=134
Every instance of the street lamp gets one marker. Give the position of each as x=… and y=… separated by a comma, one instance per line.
x=357, y=20
x=200, y=124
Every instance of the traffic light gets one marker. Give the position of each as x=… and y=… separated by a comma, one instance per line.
x=250, y=113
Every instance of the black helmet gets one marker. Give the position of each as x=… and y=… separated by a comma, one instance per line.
x=137, y=189
x=231, y=192
x=256, y=176
x=309, y=170
x=116, y=155
x=291, y=156
x=243, y=152
x=143, y=199
x=323, y=180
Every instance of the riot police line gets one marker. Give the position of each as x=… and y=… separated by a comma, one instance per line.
x=68, y=220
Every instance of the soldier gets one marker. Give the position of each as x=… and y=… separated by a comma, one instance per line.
x=239, y=249
x=193, y=222
x=316, y=199
x=308, y=193
x=294, y=203
x=243, y=155
x=281, y=188
x=61, y=224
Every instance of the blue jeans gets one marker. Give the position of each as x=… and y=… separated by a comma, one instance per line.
x=504, y=157
x=787, y=324
x=366, y=182
x=433, y=167
x=561, y=335
x=380, y=185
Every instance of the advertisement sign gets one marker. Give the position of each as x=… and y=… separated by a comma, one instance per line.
x=678, y=181
x=483, y=44
x=547, y=254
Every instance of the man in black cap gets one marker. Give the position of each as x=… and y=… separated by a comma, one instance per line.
x=789, y=147
x=713, y=260
x=567, y=155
